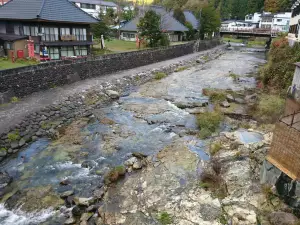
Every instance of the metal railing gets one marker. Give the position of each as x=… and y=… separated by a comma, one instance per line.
x=249, y=30
x=57, y=37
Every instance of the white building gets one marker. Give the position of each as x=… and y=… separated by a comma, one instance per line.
x=266, y=20
x=237, y=24
x=281, y=21
x=294, y=30
x=253, y=18
x=94, y=7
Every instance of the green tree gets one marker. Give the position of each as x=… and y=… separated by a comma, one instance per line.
x=210, y=21
x=190, y=35
x=128, y=15
x=179, y=15
x=149, y=27
x=101, y=28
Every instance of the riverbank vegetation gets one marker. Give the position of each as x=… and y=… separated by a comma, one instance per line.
x=268, y=109
x=209, y=123
x=278, y=72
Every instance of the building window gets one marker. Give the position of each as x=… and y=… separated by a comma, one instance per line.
x=54, y=53
x=65, y=31
x=80, y=34
x=30, y=30
x=50, y=34
x=279, y=20
x=87, y=6
x=26, y=30
x=81, y=50
x=8, y=45
x=128, y=35
x=67, y=51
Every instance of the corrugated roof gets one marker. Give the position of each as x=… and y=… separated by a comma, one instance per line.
x=50, y=10
x=168, y=22
x=96, y=2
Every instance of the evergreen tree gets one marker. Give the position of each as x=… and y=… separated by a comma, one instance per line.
x=149, y=27
x=210, y=21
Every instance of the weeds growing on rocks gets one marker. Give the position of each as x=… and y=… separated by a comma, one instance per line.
x=181, y=68
x=234, y=76
x=13, y=136
x=165, y=218
x=215, y=148
x=215, y=96
x=160, y=75
x=268, y=109
x=114, y=174
x=209, y=123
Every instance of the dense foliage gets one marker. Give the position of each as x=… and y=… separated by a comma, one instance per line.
x=149, y=27
x=230, y=9
x=210, y=21
x=279, y=70
x=101, y=28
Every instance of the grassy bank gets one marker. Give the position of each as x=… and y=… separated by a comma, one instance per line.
x=6, y=63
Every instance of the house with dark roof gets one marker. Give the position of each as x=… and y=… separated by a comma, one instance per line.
x=57, y=29
x=94, y=7
x=169, y=24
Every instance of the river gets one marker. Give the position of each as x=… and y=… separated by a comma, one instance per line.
x=144, y=120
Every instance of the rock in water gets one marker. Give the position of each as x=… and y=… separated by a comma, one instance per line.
x=88, y=164
x=113, y=94
x=5, y=179
x=282, y=218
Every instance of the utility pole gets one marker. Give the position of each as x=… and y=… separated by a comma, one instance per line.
x=200, y=14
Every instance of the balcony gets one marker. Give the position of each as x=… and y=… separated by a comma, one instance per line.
x=67, y=38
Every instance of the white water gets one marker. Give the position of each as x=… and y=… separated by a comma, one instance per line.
x=17, y=217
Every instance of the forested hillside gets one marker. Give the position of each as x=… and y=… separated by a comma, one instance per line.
x=231, y=9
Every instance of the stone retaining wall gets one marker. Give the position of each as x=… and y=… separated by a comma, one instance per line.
x=47, y=121
x=27, y=80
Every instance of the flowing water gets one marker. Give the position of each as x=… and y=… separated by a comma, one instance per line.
x=145, y=121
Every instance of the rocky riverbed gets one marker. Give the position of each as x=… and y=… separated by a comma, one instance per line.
x=130, y=152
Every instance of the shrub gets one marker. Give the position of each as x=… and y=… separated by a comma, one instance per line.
x=269, y=108
x=165, y=218
x=215, y=95
x=3, y=149
x=181, y=68
x=13, y=136
x=279, y=70
x=14, y=99
x=160, y=75
x=215, y=148
x=209, y=122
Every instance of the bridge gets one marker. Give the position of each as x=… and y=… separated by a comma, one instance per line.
x=249, y=32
